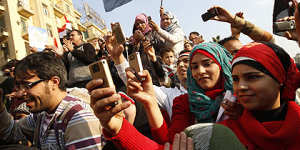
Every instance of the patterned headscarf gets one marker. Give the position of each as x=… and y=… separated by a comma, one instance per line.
x=174, y=22
x=142, y=17
x=203, y=106
x=273, y=61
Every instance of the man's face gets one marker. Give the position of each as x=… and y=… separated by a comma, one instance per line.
x=35, y=92
x=233, y=46
x=182, y=66
x=75, y=37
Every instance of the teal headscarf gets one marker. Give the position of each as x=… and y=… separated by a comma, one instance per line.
x=203, y=107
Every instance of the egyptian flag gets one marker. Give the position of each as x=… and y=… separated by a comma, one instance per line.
x=64, y=29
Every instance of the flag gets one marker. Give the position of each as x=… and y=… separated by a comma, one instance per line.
x=63, y=30
x=110, y=5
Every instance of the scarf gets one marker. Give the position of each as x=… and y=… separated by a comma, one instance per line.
x=174, y=22
x=269, y=135
x=203, y=104
x=276, y=61
x=142, y=17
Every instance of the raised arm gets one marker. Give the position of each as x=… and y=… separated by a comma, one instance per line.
x=244, y=26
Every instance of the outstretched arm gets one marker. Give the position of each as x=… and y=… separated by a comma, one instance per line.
x=246, y=27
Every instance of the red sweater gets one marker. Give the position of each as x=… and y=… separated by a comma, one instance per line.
x=274, y=135
x=182, y=117
x=130, y=138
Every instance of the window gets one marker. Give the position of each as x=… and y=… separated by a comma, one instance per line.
x=85, y=34
x=68, y=8
x=24, y=25
x=45, y=10
x=49, y=30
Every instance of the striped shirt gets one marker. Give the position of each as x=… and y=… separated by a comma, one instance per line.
x=82, y=131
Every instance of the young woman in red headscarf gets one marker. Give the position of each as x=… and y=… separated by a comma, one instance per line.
x=264, y=80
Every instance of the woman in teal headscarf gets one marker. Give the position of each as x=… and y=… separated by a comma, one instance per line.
x=205, y=90
x=208, y=78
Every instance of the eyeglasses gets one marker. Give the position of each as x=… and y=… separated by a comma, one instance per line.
x=28, y=85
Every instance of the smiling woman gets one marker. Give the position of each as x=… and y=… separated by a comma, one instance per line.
x=265, y=79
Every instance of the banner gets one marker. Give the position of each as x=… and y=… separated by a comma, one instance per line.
x=110, y=5
x=38, y=37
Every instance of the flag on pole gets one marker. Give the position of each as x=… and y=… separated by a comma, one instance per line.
x=63, y=30
x=110, y=5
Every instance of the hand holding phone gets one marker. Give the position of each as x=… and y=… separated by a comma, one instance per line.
x=135, y=63
x=100, y=69
x=209, y=14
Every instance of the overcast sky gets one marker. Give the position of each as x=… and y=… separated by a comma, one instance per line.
x=188, y=13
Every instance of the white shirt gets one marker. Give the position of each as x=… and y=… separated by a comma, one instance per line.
x=164, y=96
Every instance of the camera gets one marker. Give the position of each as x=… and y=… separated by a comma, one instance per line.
x=284, y=26
x=209, y=14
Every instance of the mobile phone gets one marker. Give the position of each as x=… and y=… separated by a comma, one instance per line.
x=101, y=70
x=135, y=63
x=118, y=33
x=284, y=26
x=209, y=14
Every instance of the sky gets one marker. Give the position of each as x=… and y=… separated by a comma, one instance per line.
x=189, y=12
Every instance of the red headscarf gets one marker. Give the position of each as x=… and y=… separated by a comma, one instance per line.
x=266, y=56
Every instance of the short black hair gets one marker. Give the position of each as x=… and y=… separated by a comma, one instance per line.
x=195, y=32
x=10, y=64
x=45, y=65
x=164, y=51
x=223, y=41
x=78, y=31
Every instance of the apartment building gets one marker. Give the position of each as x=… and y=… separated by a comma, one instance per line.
x=17, y=15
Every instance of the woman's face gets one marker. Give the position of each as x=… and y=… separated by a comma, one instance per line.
x=165, y=21
x=205, y=71
x=255, y=89
x=140, y=25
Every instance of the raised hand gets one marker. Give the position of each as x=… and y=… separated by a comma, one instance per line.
x=234, y=30
x=149, y=50
x=114, y=49
x=111, y=118
x=222, y=14
x=140, y=90
x=153, y=25
x=68, y=44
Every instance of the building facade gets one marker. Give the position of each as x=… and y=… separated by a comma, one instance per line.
x=17, y=15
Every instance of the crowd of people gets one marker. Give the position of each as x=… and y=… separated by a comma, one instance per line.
x=50, y=101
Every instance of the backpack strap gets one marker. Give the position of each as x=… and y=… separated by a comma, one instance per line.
x=62, y=122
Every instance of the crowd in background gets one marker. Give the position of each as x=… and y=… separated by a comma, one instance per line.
x=191, y=94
